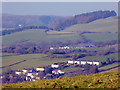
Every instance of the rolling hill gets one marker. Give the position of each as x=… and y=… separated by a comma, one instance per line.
x=71, y=33
x=33, y=35
x=100, y=80
x=31, y=60
x=103, y=25
x=12, y=21
x=83, y=19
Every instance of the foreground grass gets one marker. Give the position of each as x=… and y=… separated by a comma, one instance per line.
x=101, y=80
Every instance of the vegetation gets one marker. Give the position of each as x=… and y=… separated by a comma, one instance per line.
x=32, y=60
x=100, y=80
x=100, y=37
x=38, y=35
x=13, y=21
x=109, y=66
x=83, y=18
x=100, y=58
x=101, y=25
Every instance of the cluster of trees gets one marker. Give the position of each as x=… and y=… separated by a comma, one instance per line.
x=10, y=77
x=58, y=53
x=88, y=69
x=44, y=47
x=83, y=18
x=4, y=32
x=109, y=60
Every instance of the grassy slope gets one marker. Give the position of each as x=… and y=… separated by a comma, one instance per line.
x=109, y=66
x=37, y=35
x=102, y=25
x=101, y=36
x=33, y=60
x=101, y=80
x=101, y=58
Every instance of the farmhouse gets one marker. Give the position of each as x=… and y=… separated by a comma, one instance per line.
x=71, y=61
x=65, y=47
x=27, y=70
x=40, y=68
x=57, y=72
x=55, y=65
x=83, y=62
x=1, y=76
x=18, y=72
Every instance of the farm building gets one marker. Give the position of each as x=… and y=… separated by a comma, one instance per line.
x=27, y=70
x=83, y=62
x=55, y=65
x=40, y=69
x=18, y=72
x=57, y=72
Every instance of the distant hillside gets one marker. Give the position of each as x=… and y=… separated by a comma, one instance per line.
x=71, y=33
x=100, y=80
x=12, y=21
x=83, y=19
x=58, y=22
x=102, y=25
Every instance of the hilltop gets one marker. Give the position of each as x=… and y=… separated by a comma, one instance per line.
x=102, y=25
x=83, y=19
x=13, y=21
x=58, y=22
x=100, y=80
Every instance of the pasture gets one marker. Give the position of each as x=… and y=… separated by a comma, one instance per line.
x=100, y=58
x=37, y=35
x=109, y=66
x=32, y=60
x=103, y=25
x=101, y=36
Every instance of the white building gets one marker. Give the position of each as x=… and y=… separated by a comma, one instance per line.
x=89, y=62
x=66, y=47
x=55, y=65
x=77, y=62
x=71, y=61
x=40, y=69
x=57, y=72
x=18, y=72
x=60, y=72
x=83, y=62
x=97, y=63
x=27, y=70
x=29, y=74
x=51, y=48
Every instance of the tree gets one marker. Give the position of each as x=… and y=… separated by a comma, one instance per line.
x=48, y=70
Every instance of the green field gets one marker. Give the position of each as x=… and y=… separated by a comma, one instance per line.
x=70, y=69
x=33, y=60
x=101, y=36
x=103, y=25
x=70, y=33
x=100, y=80
x=37, y=35
x=100, y=58
x=109, y=66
